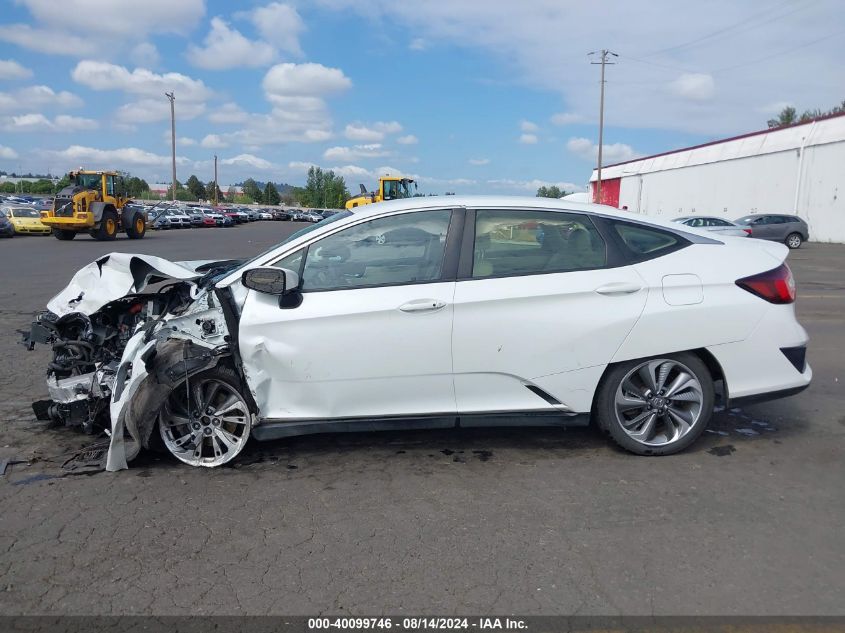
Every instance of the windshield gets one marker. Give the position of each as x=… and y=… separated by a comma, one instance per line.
x=25, y=212
x=395, y=189
x=308, y=229
x=88, y=181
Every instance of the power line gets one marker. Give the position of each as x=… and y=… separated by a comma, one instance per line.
x=778, y=54
x=744, y=25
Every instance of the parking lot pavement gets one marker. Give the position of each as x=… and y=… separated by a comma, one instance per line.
x=749, y=521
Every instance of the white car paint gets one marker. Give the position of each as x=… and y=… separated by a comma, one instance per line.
x=720, y=226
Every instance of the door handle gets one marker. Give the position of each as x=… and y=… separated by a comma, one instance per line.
x=422, y=305
x=619, y=288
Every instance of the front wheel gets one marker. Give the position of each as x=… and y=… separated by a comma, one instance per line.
x=108, y=227
x=794, y=240
x=656, y=406
x=208, y=422
x=63, y=234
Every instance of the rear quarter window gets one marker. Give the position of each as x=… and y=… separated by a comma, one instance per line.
x=646, y=242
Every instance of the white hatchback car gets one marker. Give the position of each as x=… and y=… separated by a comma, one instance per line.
x=429, y=313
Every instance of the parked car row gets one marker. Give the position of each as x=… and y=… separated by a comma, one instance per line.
x=789, y=229
x=195, y=216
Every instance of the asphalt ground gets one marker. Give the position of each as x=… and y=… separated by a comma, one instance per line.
x=748, y=521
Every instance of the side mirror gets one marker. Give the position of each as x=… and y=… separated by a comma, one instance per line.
x=271, y=281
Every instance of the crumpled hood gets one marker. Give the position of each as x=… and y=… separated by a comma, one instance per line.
x=114, y=276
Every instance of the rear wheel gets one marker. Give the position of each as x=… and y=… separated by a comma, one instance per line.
x=656, y=406
x=208, y=422
x=64, y=234
x=794, y=240
x=138, y=227
x=108, y=226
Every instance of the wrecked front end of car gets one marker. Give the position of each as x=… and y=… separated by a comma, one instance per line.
x=129, y=336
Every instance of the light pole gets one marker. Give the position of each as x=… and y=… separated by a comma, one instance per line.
x=215, y=180
x=172, y=98
x=604, y=53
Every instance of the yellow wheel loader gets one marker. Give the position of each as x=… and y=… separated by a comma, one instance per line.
x=389, y=188
x=94, y=202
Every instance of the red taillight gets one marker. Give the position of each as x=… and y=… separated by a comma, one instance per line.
x=747, y=231
x=775, y=286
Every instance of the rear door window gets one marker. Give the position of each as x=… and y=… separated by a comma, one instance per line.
x=525, y=242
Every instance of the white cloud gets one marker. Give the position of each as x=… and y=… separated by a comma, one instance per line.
x=228, y=113
x=373, y=150
x=374, y=132
x=37, y=122
x=248, y=160
x=107, y=25
x=48, y=41
x=181, y=141
x=479, y=161
x=225, y=48
x=304, y=80
x=280, y=24
x=694, y=86
x=565, y=118
x=94, y=158
x=37, y=97
x=145, y=54
x=151, y=110
x=410, y=139
x=614, y=153
x=10, y=69
x=8, y=153
x=141, y=81
x=213, y=141
x=418, y=44
x=528, y=126
x=528, y=139
x=532, y=185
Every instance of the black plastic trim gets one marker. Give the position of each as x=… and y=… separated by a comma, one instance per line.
x=274, y=429
x=766, y=397
x=543, y=394
x=797, y=356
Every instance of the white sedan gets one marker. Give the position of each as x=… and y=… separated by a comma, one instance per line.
x=714, y=225
x=430, y=313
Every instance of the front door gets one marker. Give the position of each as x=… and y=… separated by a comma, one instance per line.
x=372, y=336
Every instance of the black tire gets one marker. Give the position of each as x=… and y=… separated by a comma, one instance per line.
x=608, y=418
x=63, y=234
x=138, y=228
x=794, y=241
x=107, y=230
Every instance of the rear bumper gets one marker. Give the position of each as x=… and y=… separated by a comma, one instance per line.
x=768, y=364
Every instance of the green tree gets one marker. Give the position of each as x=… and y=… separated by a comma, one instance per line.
x=551, y=192
x=136, y=187
x=787, y=116
x=196, y=187
x=61, y=184
x=209, y=188
x=271, y=194
x=251, y=189
x=7, y=187
x=324, y=189
x=242, y=198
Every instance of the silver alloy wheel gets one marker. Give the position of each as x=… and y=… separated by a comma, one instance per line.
x=658, y=402
x=206, y=427
x=793, y=241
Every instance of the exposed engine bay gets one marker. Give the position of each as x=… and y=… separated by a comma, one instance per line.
x=124, y=334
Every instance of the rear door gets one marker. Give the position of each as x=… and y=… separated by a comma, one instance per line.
x=540, y=308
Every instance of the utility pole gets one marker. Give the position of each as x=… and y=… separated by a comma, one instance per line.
x=215, y=180
x=604, y=53
x=172, y=98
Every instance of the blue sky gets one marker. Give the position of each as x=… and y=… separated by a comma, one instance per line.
x=469, y=96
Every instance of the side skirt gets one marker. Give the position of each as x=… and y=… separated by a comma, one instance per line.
x=269, y=429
